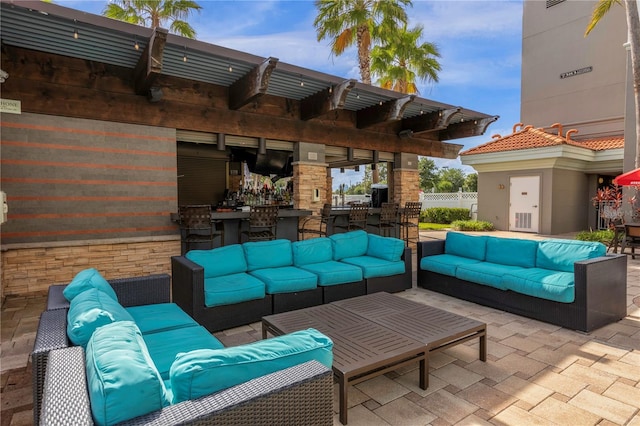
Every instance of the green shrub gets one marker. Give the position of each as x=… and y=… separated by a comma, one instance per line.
x=444, y=214
x=604, y=236
x=472, y=225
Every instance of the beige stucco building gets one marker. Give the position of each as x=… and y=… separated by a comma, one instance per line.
x=571, y=140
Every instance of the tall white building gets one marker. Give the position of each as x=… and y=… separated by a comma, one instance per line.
x=571, y=79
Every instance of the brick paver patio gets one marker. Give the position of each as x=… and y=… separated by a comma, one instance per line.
x=535, y=373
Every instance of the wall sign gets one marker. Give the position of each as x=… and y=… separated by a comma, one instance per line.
x=576, y=72
x=10, y=106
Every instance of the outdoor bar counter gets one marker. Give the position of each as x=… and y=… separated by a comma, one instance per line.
x=236, y=221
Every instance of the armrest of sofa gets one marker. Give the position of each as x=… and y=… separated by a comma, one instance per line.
x=187, y=284
x=429, y=248
x=144, y=290
x=65, y=394
x=51, y=335
x=302, y=394
x=601, y=286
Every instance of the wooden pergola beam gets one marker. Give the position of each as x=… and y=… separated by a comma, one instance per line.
x=467, y=128
x=431, y=122
x=252, y=85
x=389, y=111
x=325, y=101
x=149, y=65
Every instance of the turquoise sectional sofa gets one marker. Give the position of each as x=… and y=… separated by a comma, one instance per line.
x=239, y=284
x=145, y=363
x=570, y=283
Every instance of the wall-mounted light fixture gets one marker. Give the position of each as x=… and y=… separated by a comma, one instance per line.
x=405, y=134
x=501, y=186
x=155, y=94
x=341, y=169
x=222, y=142
x=262, y=146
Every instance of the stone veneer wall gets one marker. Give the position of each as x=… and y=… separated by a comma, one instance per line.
x=33, y=270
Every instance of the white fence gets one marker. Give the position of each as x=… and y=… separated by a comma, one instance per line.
x=466, y=200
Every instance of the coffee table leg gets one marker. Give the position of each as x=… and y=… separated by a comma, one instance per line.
x=483, y=347
x=343, y=384
x=424, y=372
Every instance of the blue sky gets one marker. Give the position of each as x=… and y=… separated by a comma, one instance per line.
x=480, y=45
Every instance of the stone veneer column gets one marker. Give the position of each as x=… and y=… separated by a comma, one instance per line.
x=406, y=179
x=309, y=176
x=406, y=183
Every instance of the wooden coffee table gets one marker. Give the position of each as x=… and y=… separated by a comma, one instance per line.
x=377, y=333
x=436, y=328
x=362, y=349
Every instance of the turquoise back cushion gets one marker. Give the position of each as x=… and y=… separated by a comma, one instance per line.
x=203, y=372
x=220, y=261
x=88, y=311
x=560, y=255
x=470, y=246
x=122, y=379
x=511, y=251
x=268, y=254
x=386, y=248
x=315, y=250
x=85, y=280
x=349, y=244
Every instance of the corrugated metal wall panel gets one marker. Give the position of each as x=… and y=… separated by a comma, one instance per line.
x=72, y=179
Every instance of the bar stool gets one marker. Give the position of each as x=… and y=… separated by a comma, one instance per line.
x=388, y=219
x=316, y=224
x=263, y=223
x=409, y=219
x=197, y=227
x=358, y=215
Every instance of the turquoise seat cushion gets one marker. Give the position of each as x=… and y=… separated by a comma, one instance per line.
x=373, y=267
x=473, y=247
x=560, y=255
x=85, y=280
x=122, y=379
x=287, y=279
x=349, y=244
x=386, y=248
x=203, y=372
x=315, y=250
x=163, y=346
x=485, y=273
x=219, y=261
x=543, y=283
x=159, y=317
x=511, y=251
x=268, y=254
x=230, y=289
x=333, y=273
x=90, y=310
x=445, y=264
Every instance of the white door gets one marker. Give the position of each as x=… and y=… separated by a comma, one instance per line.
x=524, y=202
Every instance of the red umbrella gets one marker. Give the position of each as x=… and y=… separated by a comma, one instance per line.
x=631, y=178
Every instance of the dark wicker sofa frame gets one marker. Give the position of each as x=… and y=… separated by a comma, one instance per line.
x=297, y=394
x=188, y=293
x=600, y=292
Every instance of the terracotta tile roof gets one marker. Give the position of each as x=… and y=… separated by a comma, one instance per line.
x=530, y=137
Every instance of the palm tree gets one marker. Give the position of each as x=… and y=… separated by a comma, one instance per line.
x=349, y=22
x=155, y=13
x=401, y=59
x=633, y=27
